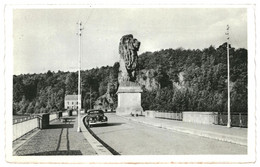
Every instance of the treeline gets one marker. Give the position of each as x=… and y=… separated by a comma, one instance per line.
x=196, y=80
x=43, y=93
x=189, y=80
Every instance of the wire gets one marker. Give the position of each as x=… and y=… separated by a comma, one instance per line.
x=92, y=10
x=234, y=41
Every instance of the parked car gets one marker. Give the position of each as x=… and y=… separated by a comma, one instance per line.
x=95, y=117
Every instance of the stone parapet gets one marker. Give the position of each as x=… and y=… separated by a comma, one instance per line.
x=200, y=117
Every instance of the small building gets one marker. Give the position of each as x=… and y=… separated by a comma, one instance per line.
x=71, y=102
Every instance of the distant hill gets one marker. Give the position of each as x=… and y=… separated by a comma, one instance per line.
x=42, y=93
x=172, y=80
x=193, y=80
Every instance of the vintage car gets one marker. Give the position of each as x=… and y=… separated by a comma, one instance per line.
x=95, y=117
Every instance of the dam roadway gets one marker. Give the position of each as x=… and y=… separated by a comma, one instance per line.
x=132, y=138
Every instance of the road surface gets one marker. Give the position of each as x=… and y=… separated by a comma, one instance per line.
x=132, y=138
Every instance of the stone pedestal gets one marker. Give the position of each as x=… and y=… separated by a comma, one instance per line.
x=129, y=100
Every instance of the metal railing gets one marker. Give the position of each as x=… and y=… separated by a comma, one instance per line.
x=237, y=119
x=19, y=120
x=169, y=115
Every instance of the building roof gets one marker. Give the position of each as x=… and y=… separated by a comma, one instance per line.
x=72, y=97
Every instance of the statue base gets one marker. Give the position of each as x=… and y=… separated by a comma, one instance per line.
x=129, y=100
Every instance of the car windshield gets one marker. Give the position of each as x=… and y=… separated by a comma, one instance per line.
x=95, y=112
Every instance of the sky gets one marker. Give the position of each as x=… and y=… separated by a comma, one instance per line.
x=45, y=39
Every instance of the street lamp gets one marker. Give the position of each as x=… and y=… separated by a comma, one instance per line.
x=79, y=64
x=228, y=89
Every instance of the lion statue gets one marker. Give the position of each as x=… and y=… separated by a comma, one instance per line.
x=128, y=48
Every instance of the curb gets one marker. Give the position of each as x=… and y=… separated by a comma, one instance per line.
x=217, y=136
x=95, y=144
x=212, y=135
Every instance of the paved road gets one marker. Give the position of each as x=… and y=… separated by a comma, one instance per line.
x=131, y=138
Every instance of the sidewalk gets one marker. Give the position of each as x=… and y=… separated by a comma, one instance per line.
x=233, y=135
x=59, y=139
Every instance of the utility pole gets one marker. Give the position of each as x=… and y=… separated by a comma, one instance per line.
x=79, y=83
x=229, y=116
x=90, y=94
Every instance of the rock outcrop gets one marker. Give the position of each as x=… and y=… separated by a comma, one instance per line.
x=146, y=78
x=106, y=101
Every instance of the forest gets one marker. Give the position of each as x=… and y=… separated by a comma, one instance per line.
x=186, y=80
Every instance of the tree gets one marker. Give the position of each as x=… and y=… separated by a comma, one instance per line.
x=188, y=79
x=148, y=98
x=16, y=108
x=30, y=109
x=43, y=110
x=23, y=104
x=71, y=83
x=205, y=79
x=37, y=107
x=162, y=77
x=18, y=89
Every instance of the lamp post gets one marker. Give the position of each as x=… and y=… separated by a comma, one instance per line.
x=228, y=78
x=79, y=85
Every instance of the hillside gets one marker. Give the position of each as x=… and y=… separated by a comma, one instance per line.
x=172, y=80
x=194, y=80
x=41, y=93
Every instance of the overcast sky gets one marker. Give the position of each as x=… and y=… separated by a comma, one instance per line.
x=45, y=39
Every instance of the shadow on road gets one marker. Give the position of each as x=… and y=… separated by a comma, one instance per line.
x=65, y=152
x=60, y=126
x=107, y=124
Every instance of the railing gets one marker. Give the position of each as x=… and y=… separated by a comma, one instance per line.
x=53, y=116
x=19, y=120
x=169, y=115
x=200, y=117
x=237, y=119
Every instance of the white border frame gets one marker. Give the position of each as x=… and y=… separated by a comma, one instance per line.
x=161, y=159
